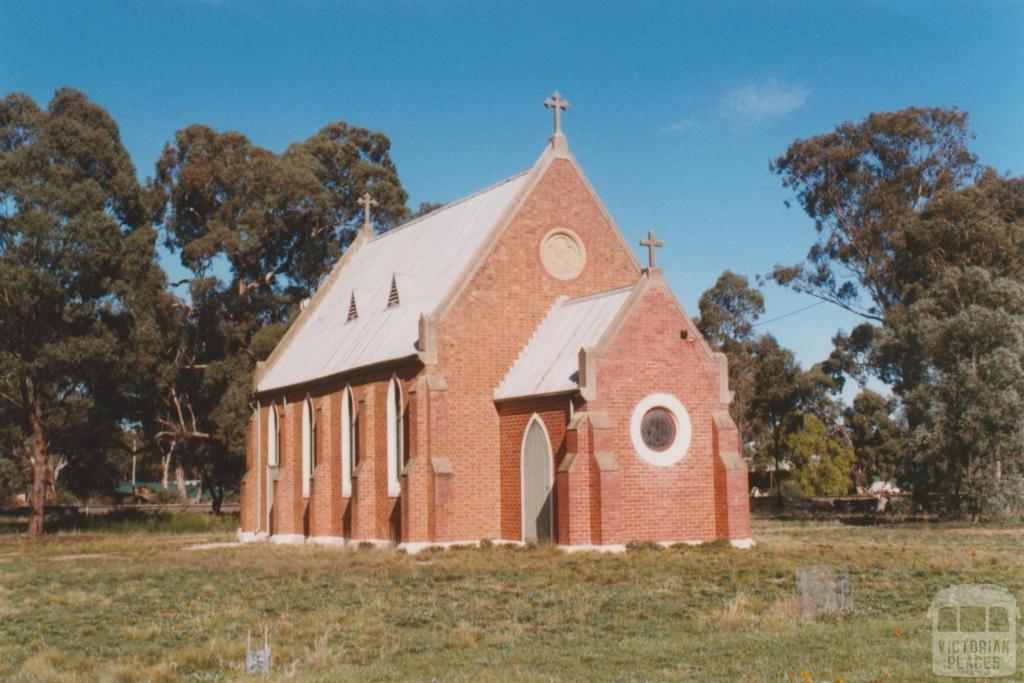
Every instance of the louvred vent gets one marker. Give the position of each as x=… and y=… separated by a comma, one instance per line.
x=353, y=312
x=393, y=295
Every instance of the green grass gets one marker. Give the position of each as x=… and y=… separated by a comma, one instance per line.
x=84, y=606
x=128, y=522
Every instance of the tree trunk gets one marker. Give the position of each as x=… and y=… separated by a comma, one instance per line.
x=39, y=471
x=179, y=479
x=54, y=467
x=165, y=476
x=217, y=492
x=776, y=477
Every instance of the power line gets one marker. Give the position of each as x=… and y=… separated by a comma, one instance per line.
x=786, y=315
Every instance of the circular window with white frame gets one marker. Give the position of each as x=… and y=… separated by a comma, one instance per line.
x=660, y=429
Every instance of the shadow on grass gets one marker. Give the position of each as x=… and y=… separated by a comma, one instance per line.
x=891, y=520
x=127, y=522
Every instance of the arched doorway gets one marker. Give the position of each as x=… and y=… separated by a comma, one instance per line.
x=537, y=465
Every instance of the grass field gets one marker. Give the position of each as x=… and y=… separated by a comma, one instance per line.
x=121, y=605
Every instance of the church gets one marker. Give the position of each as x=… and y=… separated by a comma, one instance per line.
x=501, y=368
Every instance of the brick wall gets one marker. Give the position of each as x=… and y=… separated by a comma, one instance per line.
x=514, y=417
x=370, y=513
x=249, y=491
x=678, y=502
x=493, y=319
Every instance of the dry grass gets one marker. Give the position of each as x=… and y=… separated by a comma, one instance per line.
x=114, y=607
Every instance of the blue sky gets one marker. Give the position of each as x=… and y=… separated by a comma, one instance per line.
x=677, y=108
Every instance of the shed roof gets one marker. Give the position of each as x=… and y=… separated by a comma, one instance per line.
x=426, y=257
x=549, y=363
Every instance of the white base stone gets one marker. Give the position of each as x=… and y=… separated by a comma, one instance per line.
x=328, y=541
x=288, y=539
x=585, y=548
x=418, y=546
x=415, y=547
x=742, y=543
x=378, y=543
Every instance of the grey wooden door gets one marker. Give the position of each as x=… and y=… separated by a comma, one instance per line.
x=537, y=509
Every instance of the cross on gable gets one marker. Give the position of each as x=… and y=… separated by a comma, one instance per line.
x=559, y=105
x=651, y=245
x=366, y=201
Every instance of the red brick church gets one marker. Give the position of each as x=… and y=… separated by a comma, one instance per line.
x=501, y=368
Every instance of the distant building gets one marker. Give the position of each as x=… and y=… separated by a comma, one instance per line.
x=501, y=368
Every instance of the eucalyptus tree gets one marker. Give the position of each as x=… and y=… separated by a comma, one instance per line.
x=258, y=231
x=879, y=440
x=916, y=236
x=776, y=403
x=80, y=289
x=728, y=312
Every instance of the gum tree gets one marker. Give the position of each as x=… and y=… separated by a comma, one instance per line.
x=80, y=290
x=917, y=238
x=258, y=231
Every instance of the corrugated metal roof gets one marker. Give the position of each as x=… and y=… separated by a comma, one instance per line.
x=549, y=362
x=426, y=257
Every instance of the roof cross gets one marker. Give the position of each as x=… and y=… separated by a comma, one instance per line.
x=366, y=201
x=651, y=245
x=559, y=105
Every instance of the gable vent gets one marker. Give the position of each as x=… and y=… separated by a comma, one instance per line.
x=393, y=294
x=353, y=312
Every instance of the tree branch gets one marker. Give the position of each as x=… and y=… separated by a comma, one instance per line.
x=11, y=399
x=838, y=302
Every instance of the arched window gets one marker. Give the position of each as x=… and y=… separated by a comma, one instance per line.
x=273, y=439
x=273, y=460
x=308, y=444
x=349, y=441
x=395, y=432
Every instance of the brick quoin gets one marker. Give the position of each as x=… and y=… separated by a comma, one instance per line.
x=463, y=449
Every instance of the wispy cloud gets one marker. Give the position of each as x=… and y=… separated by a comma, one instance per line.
x=745, y=106
x=757, y=102
x=684, y=124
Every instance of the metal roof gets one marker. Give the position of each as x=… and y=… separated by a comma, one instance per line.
x=549, y=363
x=426, y=257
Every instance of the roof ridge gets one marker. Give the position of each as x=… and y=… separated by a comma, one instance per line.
x=447, y=206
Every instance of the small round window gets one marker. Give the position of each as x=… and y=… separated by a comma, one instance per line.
x=658, y=429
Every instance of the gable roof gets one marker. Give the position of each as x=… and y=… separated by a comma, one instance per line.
x=549, y=363
x=426, y=257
